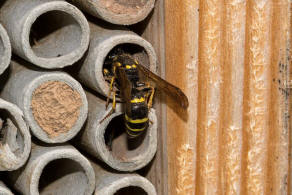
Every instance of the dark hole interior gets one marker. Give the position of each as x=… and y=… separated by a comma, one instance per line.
x=9, y=133
x=54, y=34
x=118, y=142
x=63, y=176
x=131, y=190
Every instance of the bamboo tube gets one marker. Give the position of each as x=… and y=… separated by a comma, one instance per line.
x=4, y=190
x=15, y=142
x=54, y=104
x=5, y=50
x=122, y=156
x=49, y=34
x=117, y=12
x=54, y=170
x=102, y=41
x=114, y=183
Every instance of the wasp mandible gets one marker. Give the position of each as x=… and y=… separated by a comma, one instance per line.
x=125, y=74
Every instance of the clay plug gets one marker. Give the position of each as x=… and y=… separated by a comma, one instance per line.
x=53, y=103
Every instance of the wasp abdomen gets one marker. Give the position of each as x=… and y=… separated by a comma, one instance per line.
x=135, y=127
x=137, y=121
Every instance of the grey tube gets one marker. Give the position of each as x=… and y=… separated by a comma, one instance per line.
x=48, y=33
x=54, y=170
x=117, y=12
x=120, y=157
x=110, y=183
x=4, y=190
x=102, y=41
x=15, y=140
x=49, y=100
x=5, y=50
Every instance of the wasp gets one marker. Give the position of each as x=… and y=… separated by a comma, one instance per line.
x=125, y=77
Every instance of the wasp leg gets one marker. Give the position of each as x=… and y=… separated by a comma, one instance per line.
x=110, y=92
x=113, y=108
x=150, y=94
x=151, y=97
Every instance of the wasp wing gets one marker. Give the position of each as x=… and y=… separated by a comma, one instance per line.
x=169, y=89
x=125, y=85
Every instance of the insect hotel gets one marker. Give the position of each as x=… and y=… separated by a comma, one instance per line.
x=134, y=97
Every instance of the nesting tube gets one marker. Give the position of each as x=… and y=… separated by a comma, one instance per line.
x=54, y=170
x=122, y=154
x=4, y=190
x=15, y=140
x=110, y=183
x=121, y=12
x=102, y=42
x=5, y=50
x=54, y=104
x=49, y=34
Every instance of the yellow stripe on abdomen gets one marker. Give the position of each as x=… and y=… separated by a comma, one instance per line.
x=135, y=121
x=135, y=130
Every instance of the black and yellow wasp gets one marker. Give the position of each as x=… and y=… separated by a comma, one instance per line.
x=124, y=74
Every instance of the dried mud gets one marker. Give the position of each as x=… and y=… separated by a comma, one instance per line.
x=56, y=107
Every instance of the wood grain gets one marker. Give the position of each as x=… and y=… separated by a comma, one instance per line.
x=153, y=31
x=234, y=47
x=277, y=180
x=232, y=58
x=181, y=40
x=210, y=96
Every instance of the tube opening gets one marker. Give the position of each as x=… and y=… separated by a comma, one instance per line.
x=131, y=190
x=120, y=146
x=136, y=51
x=56, y=107
x=129, y=7
x=63, y=176
x=9, y=133
x=55, y=34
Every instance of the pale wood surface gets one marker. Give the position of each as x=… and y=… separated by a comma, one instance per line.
x=181, y=37
x=232, y=58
